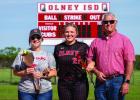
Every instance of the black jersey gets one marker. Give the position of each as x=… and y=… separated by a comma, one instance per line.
x=68, y=58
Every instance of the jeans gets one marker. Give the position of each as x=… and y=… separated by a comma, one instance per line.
x=109, y=90
x=34, y=96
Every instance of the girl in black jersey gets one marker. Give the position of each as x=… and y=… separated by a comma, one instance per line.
x=72, y=78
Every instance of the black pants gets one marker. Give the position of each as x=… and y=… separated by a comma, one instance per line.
x=73, y=90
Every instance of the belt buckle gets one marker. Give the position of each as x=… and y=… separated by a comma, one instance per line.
x=112, y=76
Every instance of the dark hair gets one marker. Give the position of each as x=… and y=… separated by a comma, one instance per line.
x=35, y=31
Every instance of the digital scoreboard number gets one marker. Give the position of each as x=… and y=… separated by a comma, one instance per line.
x=87, y=16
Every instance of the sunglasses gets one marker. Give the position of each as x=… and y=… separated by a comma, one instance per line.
x=36, y=37
x=108, y=21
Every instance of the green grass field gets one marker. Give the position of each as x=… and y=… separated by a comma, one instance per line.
x=9, y=91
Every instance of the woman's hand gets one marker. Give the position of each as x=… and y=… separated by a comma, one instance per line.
x=37, y=74
x=29, y=71
x=48, y=73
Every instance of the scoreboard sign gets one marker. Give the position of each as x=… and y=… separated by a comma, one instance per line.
x=87, y=16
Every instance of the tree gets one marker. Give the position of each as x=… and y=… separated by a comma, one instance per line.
x=137, y=62
x=7, y=55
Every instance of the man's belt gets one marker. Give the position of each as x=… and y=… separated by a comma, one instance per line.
x=113, y=76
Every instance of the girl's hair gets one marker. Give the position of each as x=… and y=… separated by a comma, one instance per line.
x=72, y=25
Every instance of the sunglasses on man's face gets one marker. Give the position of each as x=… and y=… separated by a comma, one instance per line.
x=36, y=37
x=108, y=21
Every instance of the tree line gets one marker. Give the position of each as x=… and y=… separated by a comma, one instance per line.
x=8, y=54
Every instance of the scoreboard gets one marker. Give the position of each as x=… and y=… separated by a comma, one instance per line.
x=87, y=16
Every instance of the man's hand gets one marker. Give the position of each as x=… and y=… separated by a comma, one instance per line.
x=100, y=76
x=125, y=88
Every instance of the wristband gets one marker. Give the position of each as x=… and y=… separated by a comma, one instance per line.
x=127, y=81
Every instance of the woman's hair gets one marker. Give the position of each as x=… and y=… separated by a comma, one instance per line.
x=35, y=31
x=72, y=25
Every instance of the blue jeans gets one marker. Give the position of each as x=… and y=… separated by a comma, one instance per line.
x=34, y=96
x=109, y=90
